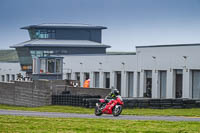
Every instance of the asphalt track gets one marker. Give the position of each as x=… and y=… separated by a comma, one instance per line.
x=72, y=115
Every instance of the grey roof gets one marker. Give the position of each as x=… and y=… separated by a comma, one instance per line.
x=59, y=43
x=169, y=45
x=64, y=25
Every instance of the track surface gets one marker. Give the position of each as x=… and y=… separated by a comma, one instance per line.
x=71, y=115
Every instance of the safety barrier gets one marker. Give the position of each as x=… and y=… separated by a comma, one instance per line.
x=154, y=103
x=73, y=100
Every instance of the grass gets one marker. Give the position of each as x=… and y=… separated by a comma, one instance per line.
x=8, y=55
x=195, y=112
x=81, y=125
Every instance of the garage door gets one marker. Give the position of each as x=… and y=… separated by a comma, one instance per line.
x=196, y=84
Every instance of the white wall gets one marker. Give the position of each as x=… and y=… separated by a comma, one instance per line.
x=9, y=68
x=169, y=58
x=101, y=63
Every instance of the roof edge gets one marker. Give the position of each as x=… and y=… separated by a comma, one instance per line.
x=170, y=45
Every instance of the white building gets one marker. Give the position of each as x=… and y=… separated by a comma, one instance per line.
x=76, y=51
x=9, y=71
x=167, y=71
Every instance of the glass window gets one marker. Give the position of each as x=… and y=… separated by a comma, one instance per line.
x=42, y=65
x=58, y=66
x=51, y=65
x=43, y=34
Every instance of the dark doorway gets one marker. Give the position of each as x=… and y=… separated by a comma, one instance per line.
x=138, y=84
x=163, y=84
x=107, y=80
x=148, y=88
x=179, y=83
x=118, y=81
x=130, y=84
x=196, y=84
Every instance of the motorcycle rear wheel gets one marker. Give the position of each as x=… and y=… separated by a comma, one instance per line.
x=117, y=110
x=97, y=111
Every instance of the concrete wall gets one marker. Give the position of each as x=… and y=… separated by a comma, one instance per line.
x=90, y=91
x=36, y=93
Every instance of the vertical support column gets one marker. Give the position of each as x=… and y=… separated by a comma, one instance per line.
x=112, y=79
x=91, y=79
x=170, y=84
x=142, y=84
x=155, y=88
x=101, y=79
x=124, y=89
x=135, y=84
x=81, y=79
x=186, y=84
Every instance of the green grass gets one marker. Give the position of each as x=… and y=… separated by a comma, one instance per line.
x=70, y=109
x=8, y=56
x=81, y=125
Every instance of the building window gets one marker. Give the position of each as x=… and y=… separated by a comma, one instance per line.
x=45, y=53
x=7, y=77
x=2, y=78
x=58, y=66
x=47, y=65
x=45, y=34
x=42, y=65
x=96, y=79
x=51, y=66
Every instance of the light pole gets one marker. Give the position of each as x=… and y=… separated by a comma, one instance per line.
x=185, y=62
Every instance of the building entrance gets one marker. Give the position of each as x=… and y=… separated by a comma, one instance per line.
x=163, y=84
x=179, y=83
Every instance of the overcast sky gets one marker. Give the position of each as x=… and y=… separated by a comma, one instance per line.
x=130, y=22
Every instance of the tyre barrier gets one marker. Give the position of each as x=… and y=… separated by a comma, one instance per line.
x=89, y=101
x=152, y=103
x=72, y=100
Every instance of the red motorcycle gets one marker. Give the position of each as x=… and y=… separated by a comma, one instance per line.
x=109, y=106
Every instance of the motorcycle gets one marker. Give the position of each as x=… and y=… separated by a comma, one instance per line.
x=109, y=106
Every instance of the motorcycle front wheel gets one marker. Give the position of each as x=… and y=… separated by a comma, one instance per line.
x=97, y=111
x=117, y=110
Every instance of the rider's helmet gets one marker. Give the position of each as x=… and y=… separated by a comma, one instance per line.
x=114, y=93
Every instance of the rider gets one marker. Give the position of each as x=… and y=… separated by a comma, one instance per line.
x=113, y=94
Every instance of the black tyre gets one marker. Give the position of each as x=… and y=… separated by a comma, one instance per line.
x=97, y=111
x=117, y=110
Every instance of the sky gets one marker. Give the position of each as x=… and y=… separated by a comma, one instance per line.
x=130, y=23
